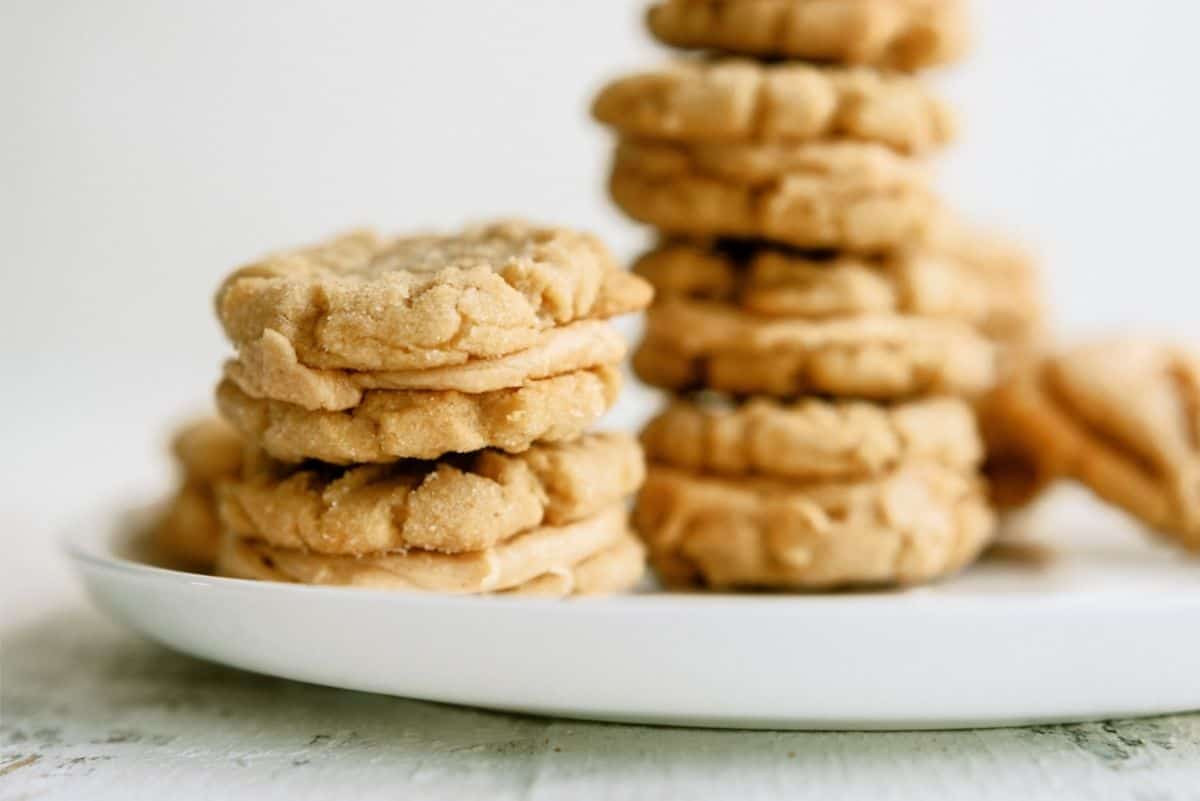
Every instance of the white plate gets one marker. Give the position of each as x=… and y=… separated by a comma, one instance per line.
x=1105, y=628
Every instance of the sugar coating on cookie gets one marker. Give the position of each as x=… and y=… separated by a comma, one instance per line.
x=903, y=34
x=506, y=565
x=812, y=438
x=991, y=285
x=697, y=345
x=1123, y=417
x=424, y=424
x=453, y=505
x=366, y=302
x=917, y=523
x=207, y=451
x=854, y=196
x=733, y=100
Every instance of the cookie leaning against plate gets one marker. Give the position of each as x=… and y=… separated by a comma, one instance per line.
x=452, y=505
x=905, y=34
x=1123, y=417
x=364, y=302
x=812, y=439
x=989, y=284
x=854, y=196
x=208, y=452
x=424, y=424
x=917, y=523
x=733, y=100
x=553, y=555
x=696, y=345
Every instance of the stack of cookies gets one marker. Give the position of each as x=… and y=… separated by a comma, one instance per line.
x=415, y=412
x=822, y=320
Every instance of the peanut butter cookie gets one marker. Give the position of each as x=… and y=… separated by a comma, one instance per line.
x=187, y=533
x=697, y=345
x=852, y=196
x=733, y=100
x=1123, y=417
x=528, y=557
x=812, y=439
x=424, y=424
x=917, y=523
x=989, y=284
x=364, y=302
x=452, y=505
x=905, y=34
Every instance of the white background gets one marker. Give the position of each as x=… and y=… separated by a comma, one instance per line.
x=148, y=147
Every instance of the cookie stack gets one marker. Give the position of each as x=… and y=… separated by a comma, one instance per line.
x=820, y=316
x=417, y=413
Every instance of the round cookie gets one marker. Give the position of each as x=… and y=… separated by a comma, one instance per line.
x=737, y=101
x=1123, y=417
x=812, y=439
x=504, y=566
x=698, y=345
x=208, y=451
x=984, y=281
x=854, y=196
x=364, y=302
x=903, y=34
x=453, y=505
x=917, y=523
x=418, y=424
x=270, y=368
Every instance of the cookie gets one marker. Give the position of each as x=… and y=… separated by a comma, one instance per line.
x=187, y=532
x=735, y=101
x=812, y=439
x=616, y=569
x=365, y=302
x=917, y=523
x=1123, y=417
x=424, y=424
x=453, y=505
x=697, y=345
x=990, y=284
x=270, y=368
x=903, y=34
x=853, y=196
x=507, y=565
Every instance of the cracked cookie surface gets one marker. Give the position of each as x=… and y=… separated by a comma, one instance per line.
x=696, y=345
x=1123, y=417
x=917, y=523
x=733, y=100
x=365, y=302
x=452, y=505
x=812, y=439
x=903, y=34
x=424, y=424
x=853, y=196
x=507, y=565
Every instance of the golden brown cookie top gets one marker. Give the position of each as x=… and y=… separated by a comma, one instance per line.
x=812, y=439
x=362, y=301
x=993, y=286
x=904, y=34
x=733, y=100
x=456, y=504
